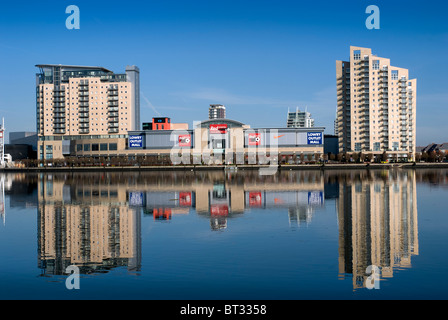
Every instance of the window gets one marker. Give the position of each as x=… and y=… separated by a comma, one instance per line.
x=103, y=147
x=79, y=147
x=87, y=147
x=395, y=146
x=48, y=152
x=376, y=146
x=358, y=146
x=113, y=147
x=394, y=75
x=376, y=65
x=95, y=147
x=357, y=55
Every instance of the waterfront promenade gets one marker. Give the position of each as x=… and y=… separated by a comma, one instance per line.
x=343, y=166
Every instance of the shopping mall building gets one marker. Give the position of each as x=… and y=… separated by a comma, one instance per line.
x=92, y=112
x=212, y=142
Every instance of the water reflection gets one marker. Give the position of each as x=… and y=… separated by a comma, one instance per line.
x=86, y=224
x=377, y=218
x=94, y=221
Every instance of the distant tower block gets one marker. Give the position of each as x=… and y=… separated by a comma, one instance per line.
x=217, y=111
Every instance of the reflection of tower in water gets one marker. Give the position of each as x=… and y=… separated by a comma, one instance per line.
x=377, y=215
x=2, y=199
x=80, y=228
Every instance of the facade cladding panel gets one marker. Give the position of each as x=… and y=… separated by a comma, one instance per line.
x=302, y=138
x=168, y=139
x=276, y=137
x=283, y=139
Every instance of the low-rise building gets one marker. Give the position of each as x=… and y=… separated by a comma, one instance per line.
x=212, y=141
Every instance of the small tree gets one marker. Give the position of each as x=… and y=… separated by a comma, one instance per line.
x=418, y=156
x=361, y=157
x=432, y=156
x=340, y=157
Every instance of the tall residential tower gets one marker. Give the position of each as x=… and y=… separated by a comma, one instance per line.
x=76, y=103
x=376, y=106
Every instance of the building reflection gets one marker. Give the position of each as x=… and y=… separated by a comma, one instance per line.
x=93, y=221
x=87, y=225
x=377, y=218
x=220, y=196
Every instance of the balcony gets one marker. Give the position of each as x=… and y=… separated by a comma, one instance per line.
x=59, y=121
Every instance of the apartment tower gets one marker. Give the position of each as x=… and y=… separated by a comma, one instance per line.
x=299, y=119
x=216, y=111
x=376, y=106
x=78, y=103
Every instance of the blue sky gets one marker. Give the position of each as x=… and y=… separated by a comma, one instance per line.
x=258, y=58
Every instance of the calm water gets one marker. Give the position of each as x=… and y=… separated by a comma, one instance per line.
x=213, y=235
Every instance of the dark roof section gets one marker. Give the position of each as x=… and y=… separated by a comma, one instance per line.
x=229, y=122
x=73, y=67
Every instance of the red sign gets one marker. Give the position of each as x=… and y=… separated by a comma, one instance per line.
x=219, y=210
x=185, y=199
x=162, y=214
x=254, y=139
x=255, y=199
x=185, y=140
x=218, y=128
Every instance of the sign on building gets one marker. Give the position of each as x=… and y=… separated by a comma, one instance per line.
x=135, y=141
x=185, y=140
x=218, y=128
x=315, y=138
x=254, y=139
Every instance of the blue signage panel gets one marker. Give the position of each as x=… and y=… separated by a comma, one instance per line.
x=135, y=141
x=136, y=199
x=315, y=198
x=315, y=138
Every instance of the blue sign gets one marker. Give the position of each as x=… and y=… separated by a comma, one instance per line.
x=315, y=138
x=135, y=141
x=136, y=199
x=315, y=198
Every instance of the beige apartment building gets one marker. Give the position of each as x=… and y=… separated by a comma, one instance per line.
x=376, y=106
x=80, y=103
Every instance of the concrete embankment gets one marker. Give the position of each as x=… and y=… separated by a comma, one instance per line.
x=231, y=168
